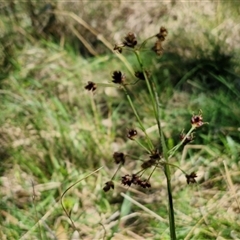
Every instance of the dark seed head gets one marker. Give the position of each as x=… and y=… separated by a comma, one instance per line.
x=91, y=86
x=157, y=48
x=130, y=40
x=148, y=163
x=191, y=178
x=127, y=180
x=132, y=133
x=118, y=77
x=162, y=34
x=108, y=186
x=197, y=120
x=119, y=157
x=145, y=184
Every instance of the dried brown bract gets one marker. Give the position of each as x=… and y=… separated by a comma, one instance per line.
x=162, y=34
x=157, y=48
x=191, y=178
x=132, y=133
x=119, y=157
x=108, y=186
x=130, y=40
x=118, y=77
x=91, y=86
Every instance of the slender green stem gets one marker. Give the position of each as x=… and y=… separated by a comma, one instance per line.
x=168, y=177
x=152, y=172
x=64, y=193
x=119, y=166
x=150, y=90
x=173, y=165
x=170, y=203
x=155, y=105
x=147, y=82
x=150, y=145
x=145, y=41
x=174, y=149
x=140, y=144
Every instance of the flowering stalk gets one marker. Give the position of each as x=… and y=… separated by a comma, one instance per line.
x=168, y=177
x=155, y=106
x=159, y=157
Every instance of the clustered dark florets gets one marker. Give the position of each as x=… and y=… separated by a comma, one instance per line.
x=131, y=134
x=118, y=77
x=91, y=86
x=197, y=120
x=191, y=177
x=136, y=180
x=108, y=186
x=154, y=157
x=119, y=157
x=157, y=48
x=130, y=40
x=148, y=163
x=162, y=34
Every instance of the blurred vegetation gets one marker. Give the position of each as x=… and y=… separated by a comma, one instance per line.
x=52, y=132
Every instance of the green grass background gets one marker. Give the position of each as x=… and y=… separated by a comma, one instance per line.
x=54, y=133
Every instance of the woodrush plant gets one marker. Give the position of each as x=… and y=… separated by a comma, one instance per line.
x=159, y=155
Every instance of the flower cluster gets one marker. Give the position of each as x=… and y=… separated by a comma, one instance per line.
x=131, y=134
x=135, y=179
x=156, y=159
x=119, y=157
x=191, y=177
x=91, y=86
x=118, y=77
x=197, y=120
x=158, y=49
x=108, y=186
x=130, y=40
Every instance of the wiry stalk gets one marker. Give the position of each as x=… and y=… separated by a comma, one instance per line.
x=150, y=145
x=163, y=147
